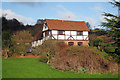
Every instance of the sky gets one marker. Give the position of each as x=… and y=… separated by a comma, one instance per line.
x=30, y=12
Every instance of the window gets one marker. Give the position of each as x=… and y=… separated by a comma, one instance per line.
x=61, y=32
x=80, y=43
x=70, y=43
x=79, y=32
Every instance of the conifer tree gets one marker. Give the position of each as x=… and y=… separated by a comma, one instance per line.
x=113, y=22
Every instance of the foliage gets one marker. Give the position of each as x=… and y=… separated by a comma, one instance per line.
x=36, y=51
x=11, y=25
x=88, y=25
x=15, y=33
x=92, y=37
x=113, y=22
x=100, y=32
x=82, y=58
x=36, y=31
x=50, y=48
x=8, y=28
x=98, y=42
x=21, y=49
x=44, y=59
x=18, y=41
x=6, y=39
x=23, y=35
x=109, y=49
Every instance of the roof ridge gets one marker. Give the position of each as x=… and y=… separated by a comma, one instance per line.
x=64, y=20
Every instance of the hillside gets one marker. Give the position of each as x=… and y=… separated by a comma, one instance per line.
x=76, y=58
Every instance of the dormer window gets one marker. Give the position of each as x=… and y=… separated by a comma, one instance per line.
x=61, y=32
x=79, y=32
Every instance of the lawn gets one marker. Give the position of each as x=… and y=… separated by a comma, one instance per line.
x=32, y=68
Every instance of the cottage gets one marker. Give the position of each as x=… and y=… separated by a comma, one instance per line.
x=71, y=32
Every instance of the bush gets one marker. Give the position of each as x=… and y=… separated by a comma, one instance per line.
x=105, y=55
x=21, y=49
x=92, y=37
x=116, y=57
x=98, y=42
x=117, y=51
x=36, y=51
x=51, y=47
x=81, y=58
x=109, y=49
x=72, y=58
x=44, y=59
x=76, y=50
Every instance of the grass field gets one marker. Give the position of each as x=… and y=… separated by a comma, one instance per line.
x=32, y=68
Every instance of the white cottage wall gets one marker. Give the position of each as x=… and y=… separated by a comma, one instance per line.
x=85, y=32
x=54, y=32
x=67, y=32
x=45, y=27
x=73, y=33
x=61, y=37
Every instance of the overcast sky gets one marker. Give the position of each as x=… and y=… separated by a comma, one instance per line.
x=30, y=12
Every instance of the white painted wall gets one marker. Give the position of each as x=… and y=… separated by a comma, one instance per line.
x=85, y=32
x=79, y=37
x=54, y=32
x=66, y=37
x=43, y=34
x=67, y=32
x=85, y=37
x=73, y=32
x=61, y=37
x=45, y=27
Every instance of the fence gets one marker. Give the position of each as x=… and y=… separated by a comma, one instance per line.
x=39, y=42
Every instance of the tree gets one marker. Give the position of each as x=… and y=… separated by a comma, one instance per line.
x=18, y=41
x=23, y=36
x=113, y=22
x=8, y=28
x=92, y=37
x=98, y=42
x=88, y=25
x=36, y=31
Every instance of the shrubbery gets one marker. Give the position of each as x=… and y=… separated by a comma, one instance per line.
x=44, y=59
x=50, y=48
x=18, y=42
x=98, y=42
x=82, y=59
x=74, y=58
x=110, y=49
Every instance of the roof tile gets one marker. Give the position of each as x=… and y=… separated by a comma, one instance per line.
x=66, y=25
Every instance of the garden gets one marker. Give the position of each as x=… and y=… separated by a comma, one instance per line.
x=55, y=59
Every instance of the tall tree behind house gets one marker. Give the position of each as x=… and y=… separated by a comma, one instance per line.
x=114, y=24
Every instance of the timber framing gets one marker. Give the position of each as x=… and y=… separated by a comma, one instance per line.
x=70, y=32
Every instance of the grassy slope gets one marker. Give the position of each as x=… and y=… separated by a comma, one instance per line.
x=32, y=68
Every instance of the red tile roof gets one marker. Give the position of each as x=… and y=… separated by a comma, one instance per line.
x=66, y=25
